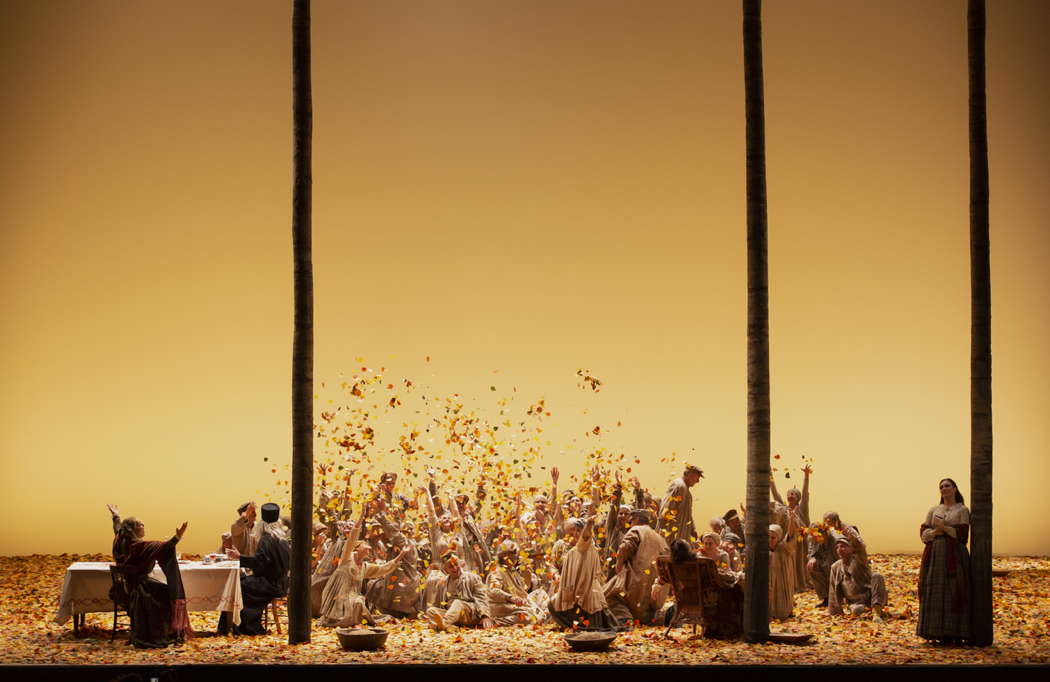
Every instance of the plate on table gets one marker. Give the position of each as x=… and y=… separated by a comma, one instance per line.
x=790, y=637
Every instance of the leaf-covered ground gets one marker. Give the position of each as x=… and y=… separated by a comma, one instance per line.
x=30, y=586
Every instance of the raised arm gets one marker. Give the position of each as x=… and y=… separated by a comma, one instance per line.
x=586, y=540
x=773, y=490
x=385, y=568
x=355, y=533
x=115, y=514
x=433, y=489
x=614, y=514
x=557, y=515
x=627, y=549
x=803, y=504
x=596, y=496
x=479, y=498
x=432, y=518
x=639, y=493
x=454, y=507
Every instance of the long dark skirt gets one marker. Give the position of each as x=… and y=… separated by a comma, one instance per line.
x=149, y=608
x=944, y=591
x=157, y=610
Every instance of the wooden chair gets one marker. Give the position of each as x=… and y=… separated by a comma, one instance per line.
x=120, y=595
x=276, y=606
x=704, y=597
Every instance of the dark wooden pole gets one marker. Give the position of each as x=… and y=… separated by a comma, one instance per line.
x=299, y=616
x=756, y=594
x=980, y=337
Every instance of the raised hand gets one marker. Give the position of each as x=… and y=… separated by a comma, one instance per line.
x=113, y=511
x=807, y=470
x=554, y=475
x=181, y=530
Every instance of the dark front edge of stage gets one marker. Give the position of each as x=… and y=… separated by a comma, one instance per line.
x=314, y=673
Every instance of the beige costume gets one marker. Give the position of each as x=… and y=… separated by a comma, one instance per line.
x=342, y=603
x=399, y=593
x=243, y=537
x=505, y=584
x=323, y=571
x=781, y=577
x=675, y=518
x=632, y=585
x=457, y=601
x=581, y=577
x=854, y=585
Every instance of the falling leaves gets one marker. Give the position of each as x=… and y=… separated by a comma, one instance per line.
x=587, y=380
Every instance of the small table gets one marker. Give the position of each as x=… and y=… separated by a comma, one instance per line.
x=209, y=587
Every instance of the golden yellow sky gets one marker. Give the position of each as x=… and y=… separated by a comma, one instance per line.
x=532, y=187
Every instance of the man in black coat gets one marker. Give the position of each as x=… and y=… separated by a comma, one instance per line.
x=269, y=572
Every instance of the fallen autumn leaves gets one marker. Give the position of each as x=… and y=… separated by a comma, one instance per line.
x=29, y=589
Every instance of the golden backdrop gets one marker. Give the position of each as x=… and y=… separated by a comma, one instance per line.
x=528, y=187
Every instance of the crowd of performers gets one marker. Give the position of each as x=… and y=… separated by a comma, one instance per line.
x=557, y=558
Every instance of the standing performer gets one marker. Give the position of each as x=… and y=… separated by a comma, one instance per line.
x=675, y=519
x=944, y=577
x=798, y=502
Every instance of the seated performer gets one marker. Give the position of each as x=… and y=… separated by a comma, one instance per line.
x=731, y=545
x=580, y=599
x=629, y=593
x=398, y=594
x=342, y=602
x=571, y=529
x=157, y=610
x=269, y=566
x=514, y=598
x=733, y=525
x=712, y=549
x=459, y=598
x=820, y=553
x=852, y=584
x=326, y=565
x=243, y=533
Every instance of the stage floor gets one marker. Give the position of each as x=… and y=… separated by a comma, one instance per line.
x=30, y=587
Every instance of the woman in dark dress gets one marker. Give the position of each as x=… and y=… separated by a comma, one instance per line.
x=944, y=578
x=157, y=610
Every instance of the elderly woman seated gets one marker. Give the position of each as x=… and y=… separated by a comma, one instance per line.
x=157, y=610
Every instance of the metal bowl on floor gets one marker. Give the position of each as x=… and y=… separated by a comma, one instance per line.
x=361, y=639
x=595, y=640
x=790, y=637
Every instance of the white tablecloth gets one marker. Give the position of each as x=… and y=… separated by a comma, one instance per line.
x=209, y=587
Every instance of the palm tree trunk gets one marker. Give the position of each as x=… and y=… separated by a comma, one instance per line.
x=756, y=595
x=303, y=336
x=980, y=338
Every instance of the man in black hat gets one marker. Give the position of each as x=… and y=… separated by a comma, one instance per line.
x=269, y=566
